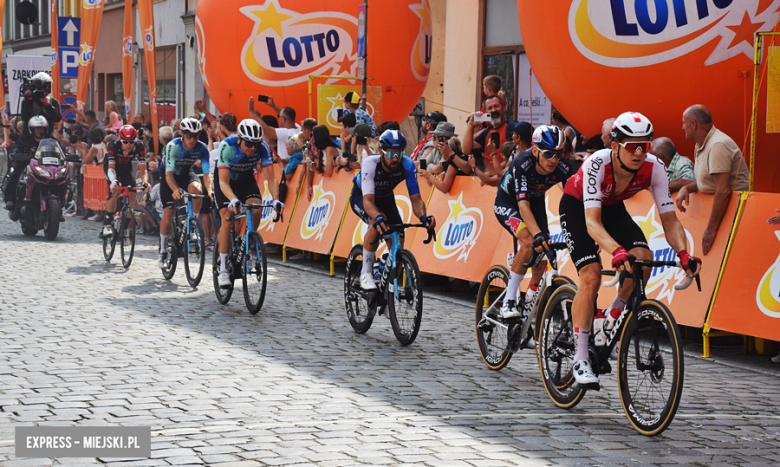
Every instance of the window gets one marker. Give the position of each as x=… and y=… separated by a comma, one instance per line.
x=502, y=46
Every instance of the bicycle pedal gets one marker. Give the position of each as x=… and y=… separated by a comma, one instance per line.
x=591, y=386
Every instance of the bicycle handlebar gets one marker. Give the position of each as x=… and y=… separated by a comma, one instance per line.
x=652, y=264
x=401, y=227
x=536, y=257
x=246, y=206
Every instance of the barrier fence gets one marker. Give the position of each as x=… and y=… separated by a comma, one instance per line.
x=740, y=277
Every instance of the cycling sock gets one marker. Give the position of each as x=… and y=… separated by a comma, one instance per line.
x=108, y=218
x=368, y=261
x=163, y=242
x=581, y=344
x=617, y=306
x=511, y=288
x=223, y=261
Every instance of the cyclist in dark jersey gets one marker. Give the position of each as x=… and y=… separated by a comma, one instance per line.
x=592, y=212
x=520, y=208
x=118, y=167
x=372, y=196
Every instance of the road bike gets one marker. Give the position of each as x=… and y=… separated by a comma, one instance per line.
x=246, y=260
x=399, y=287
x=122, y=228
x=498, y=338
x=650, y=356
x=187, y=241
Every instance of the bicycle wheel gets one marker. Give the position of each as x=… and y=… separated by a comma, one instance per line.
x=109, y=243
x=556, y=349
x=127, y=237
x=650, y=368
x=173, y=252
x=195, y=253
x=492, y=338
x=223, y=295
x=541, y=303
x=405, y=298
x=358, y=311
x=255, y=273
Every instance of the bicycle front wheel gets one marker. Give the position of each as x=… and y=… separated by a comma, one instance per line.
x=127, y=237
x=109, y=243
x=492, y=338
x=405, y=298
x=195, y=253
x=254, y=272
x=172, y=251
x=556, y=349
x=650, y=368
x=358, y=311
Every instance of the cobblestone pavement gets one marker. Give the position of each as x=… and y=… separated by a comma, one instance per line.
x=86, y=342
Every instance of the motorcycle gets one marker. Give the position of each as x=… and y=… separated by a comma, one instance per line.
x=42, y=187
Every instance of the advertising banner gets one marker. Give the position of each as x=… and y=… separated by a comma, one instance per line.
x=274, y=232
x=127, y=59
x=330, y=98
x=3, y=107
x=91, y=18
x=21, y=67
x=146, y=13
x=55, y=54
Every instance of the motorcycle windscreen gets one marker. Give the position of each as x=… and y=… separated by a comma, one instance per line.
x=49, y=153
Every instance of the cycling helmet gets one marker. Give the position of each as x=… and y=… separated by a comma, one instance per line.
x=128, y=133
x=37, y=122
x=190, y=125
x=250, y=130
x=631, y=125
x=549, y=138
x=42, y=81
x=392, y=140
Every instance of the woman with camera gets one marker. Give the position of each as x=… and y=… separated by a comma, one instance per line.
x=450, y=147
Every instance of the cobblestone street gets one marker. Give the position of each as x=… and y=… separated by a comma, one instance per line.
x=87, y=342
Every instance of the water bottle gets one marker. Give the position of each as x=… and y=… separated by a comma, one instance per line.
x=379, y=267
x=599, y=339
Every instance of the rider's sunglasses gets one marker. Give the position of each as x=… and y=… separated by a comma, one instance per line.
x=188, y=135
x=394, y=154
x=250, y=144
x=633, y=146
x=128, y=143
x=550, y=155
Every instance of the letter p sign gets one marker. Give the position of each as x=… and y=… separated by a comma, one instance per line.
x=69, y=62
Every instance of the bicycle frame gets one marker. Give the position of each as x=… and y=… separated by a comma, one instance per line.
x=394, y=236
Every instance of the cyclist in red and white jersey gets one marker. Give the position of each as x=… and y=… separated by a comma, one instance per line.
x=592, y=213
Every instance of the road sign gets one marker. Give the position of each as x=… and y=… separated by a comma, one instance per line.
x=68, y=99
x=361, y=39
x=69, y=62
x=69, y=31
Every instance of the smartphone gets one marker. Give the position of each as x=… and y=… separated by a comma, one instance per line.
x=423, y=164
x=339, y=114
x=482, y=118
x=496, y=139
x=262, y=98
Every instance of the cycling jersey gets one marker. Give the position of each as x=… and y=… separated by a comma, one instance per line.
x=595, y=186
x=179, y=160
x=115, y=154
x=521, y=181
x=374, y=180
x=240, y=165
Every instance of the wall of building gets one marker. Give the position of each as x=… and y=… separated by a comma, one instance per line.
x=461, y=55
x=108, y=57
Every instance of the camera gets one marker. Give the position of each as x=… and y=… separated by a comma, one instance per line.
x=29, y=91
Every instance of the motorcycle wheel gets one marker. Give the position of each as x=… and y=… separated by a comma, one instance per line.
x=51, y=226
x=29, y=231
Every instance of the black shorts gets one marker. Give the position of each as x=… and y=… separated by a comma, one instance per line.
x=166, y=194
x=386, y=205
x=124, y=175
x=244, y=189
x=616, y=221
x=509, y=217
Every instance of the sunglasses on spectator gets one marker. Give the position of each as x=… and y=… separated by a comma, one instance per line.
x=394, y=154
x=188, y=135
x=632, y=146
x=550, y=155
x=250, y=144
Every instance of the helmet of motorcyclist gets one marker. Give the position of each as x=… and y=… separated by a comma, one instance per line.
x=38, y=127
x=42, y=81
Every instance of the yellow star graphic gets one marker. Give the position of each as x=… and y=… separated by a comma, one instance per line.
x=421, y=9
x=270, y=18
x=456, y=207
x=647, y=224
x=318, y=192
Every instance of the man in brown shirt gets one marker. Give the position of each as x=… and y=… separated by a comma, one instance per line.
x=719, y=168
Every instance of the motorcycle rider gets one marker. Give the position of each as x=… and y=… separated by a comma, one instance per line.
x=25, y=145
x=37, y=102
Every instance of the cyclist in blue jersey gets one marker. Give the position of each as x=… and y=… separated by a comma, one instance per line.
x=372, y=196
x=239, y=156
x=177, y=175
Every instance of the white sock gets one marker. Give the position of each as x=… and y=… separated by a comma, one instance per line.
x=617, y=304
x=511, y=288
x=581, y=343
x=163, y=242
x=223, y=262
x=368, y=261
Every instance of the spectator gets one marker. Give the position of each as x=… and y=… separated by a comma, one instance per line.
x=278, y=110
x=451, y=150
x=521, y=134
x=387, y=125
x=491, y=86
x=435, y=160
x=322, y=157
x=471, y=143
x=139, y=119
x=296, y=154
x=679, y=168
x=307, y=125
x=351, y=159
x=115, y=121
x=153, y=206
x=87, y=120
x=719, y=168
x=593, y=144
x=283, y=133
x=176, y=124
x=107, y=124
x=269, y=138
x=352, y=101
x=347, y=121
x=97, y=152
x=426, y=145
x=606, y=129
x=166, y=135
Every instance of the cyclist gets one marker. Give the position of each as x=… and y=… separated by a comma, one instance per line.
x=177, y=175
x=520, y=208
x=372, y=198
x=118, y=167
x=592, y=212
x=239, y=156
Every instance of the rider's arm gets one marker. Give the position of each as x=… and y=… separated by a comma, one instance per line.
x=597, y=231
x=674, y=232
x=418, y=206
x=524, y=208
x=171, y=180
x=224, y=182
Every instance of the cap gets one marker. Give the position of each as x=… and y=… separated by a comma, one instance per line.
x=522, y=129
x=435, y=117
x=352, y=97
x=361, y=130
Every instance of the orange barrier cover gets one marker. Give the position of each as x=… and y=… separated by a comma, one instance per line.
x=275, y=232
x=95, y=187
x=748, y=300
x=316, y=221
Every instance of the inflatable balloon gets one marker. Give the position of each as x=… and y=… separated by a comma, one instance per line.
x=598, y=58
x=270, y=47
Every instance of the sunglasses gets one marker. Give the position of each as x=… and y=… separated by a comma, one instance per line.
x=550, y=155
x=250, y=144
x=128, y=143
x=190, y=136
x=633, y=146
x=394, y=154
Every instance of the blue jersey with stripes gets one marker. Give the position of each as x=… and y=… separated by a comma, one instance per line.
x=177, y=159
x=240, y=165
x=373, y=179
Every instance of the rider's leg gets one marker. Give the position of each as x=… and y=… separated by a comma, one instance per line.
x=165, y=227
x=224, y=238
x=257, y=214
x=111, y=207
x=195, y=189
x=582, y=308
x=369, y=250
x=518, y=269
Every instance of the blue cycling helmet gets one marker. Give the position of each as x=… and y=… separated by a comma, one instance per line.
x=549, y=138
x=392, y=140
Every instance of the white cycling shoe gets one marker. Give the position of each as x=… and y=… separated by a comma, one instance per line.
x=367, y=281
x=162, y=260
x=583, y=373
x=107, y=231
x=509, y=310
x=224, y=280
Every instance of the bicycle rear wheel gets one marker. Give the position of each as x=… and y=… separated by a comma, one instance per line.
x=358, y=311
x=255, y=273
x=492, y=338
x=172, y=251
x=195, y=253
x=541, y=303
x=127, y=236
x=223, y=295
x=556, y=349
x=650, y=368
x=405, y=298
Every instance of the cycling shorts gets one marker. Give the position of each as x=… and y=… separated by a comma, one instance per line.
x=124, y=175
x=616, y=221
x=244, y=189
x=509, y=216
x=166, y=194
x=386, y=205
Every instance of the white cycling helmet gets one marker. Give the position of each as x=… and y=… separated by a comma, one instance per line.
x=190, y=125
x=631, y=125
x=38, y=122
x=250, y=130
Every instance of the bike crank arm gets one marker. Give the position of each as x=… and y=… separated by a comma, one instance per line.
x=492, y=321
